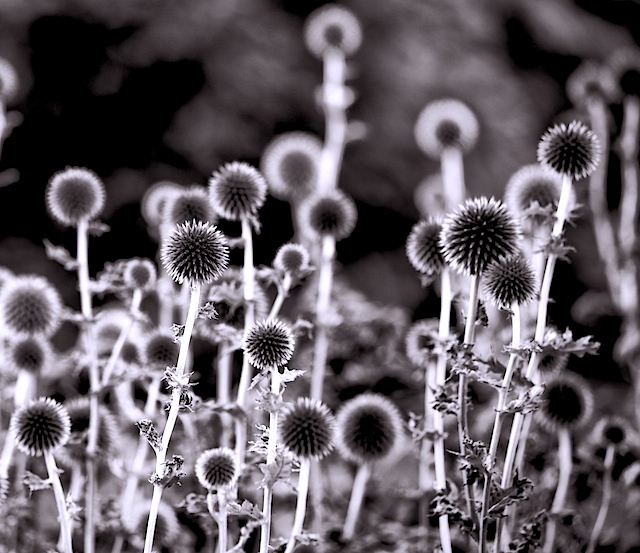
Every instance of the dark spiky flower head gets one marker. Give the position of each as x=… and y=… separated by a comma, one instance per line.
x=140, y=274
x=477, y=233
x=8, y=81
x=421, y=341
x=40, y=426
x=75, y=194
x=592, y=81
x=625, y=64
x=445, y=124
x=159, y=349
x=307, y=428
x=331, y=213
x=237, y=190
x=423, y=247
x=269, y=343
x=216, y=468
x=188, y=204
x=155, y=199
x=571, y=150
x=368, y=428
x=332, y=27
x=292, y=259
x=567, y=402
x=290, y=165
x=195, y=251
x=510, y=280
x=30, y=305
x=29, y=354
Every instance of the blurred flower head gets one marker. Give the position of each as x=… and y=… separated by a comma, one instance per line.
x=40, y=426
x=330, y=213
x=428, y=197
x=74, y=194
x=237, y=190
x=155, y=199
x=188, y=204
x=30, y=354
x=292, y=259
x=159, y=349
x=140, y=274
x=421, y=341
x=567, y=402
x=592, y=81
x=625, y=64
x=8, y=81
x=307, y=428
x=332, y=27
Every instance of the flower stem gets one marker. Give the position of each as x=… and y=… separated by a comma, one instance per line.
x=61, y=502
x=355, y=503
x=223, y=366
x=452, y=170
x=283, y=292
x=301, y=505
x=607, y=483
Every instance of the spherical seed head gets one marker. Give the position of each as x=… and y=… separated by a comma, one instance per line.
x=40, y=426
x=592, y=80
x=567, y=402
x=290, y=165
x=237, y=190
x=477, y=233
x=140, y=274
x=188, y=204
x=423, y=247
x=625, y=64
x=29, y=354
x=510, y=280
x=216, y=468
x=368, y=428
x=572, y=150
x=30, y=305
x=421, y=341
x=269, y=343
x=195, y=251
x=8, y=81
x=332, y=27
x=329, y=214
x=159, y=349
x=74, y=194
x=445, y=124
x=155, y=199
x=292, y=259
x=307, y=428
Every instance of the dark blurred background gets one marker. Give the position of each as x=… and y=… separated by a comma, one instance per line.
x=147, y=90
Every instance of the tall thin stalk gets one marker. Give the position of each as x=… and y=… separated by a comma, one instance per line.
x=605, y=503
x=301, y=503
x=355, y=502
x=61, y=502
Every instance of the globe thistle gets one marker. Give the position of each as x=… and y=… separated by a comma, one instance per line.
x=625, y=64
x=332, y=27
x=307, y=428
x=188, y=204
x=428, y=197
x=551, y=364
x=237, y=190
x=423, y=247
x=446, y=124
x=614, y=430
x=140, y=274
x=292, y=259
x=29, y=354
x=421, y=341
x=592, y=80
x=368, y=428
x=40, y=426
x=216, y=468
x=108, y=325
x=75, y=450
x=30, y=305
x=155, y=199
x=477, y=233
x=269, y=343
x=290, y=165
x=159, y=349
x=571, y=150
x=131, y=354
x=8, y=81
x=195, y=251
x=329, y=214
x=167, y=530
x=510, y=280
x=74, y=194
x=567, y=402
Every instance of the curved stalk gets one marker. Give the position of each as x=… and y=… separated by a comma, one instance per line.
x=607, y=484
x=61, y=502
x=301, y=504
x=283, y=292
x=355, y=502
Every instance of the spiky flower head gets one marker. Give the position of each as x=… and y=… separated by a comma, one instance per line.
x=30, y=305
x=159, y=349
x=307, y=428
x=195, y=251
x=428, y=197
x=155, y=199
x=510, y=280
x=140, y=274
x=332, y=27
x=625, y=64
x=571, y=150
x=216, y=468
x=331, y=213
x=8, y=81
x=290, y=164
x=592, y=81
x=446, y=124
x=237, y=190
x=188, y=204
x=368, y=428
x=567, y=402
x=40, y=426
x=29, y=354
x=477, y=233
x=269, y=343
x=423, y=247
x=292, y=259
x=421, y=341
x=75, y=194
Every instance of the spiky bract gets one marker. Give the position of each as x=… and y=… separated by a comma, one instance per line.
x=216, y=468
x=293, y=259
x=8, y=81
x=195, y=251
x=74, y=194
x=368, y=428
x=477, y=233
x=189, y=204
x=40, y=426
x=330, y=213
x=444, y=124
x=30, y=305
x=571, y=150
x=567, y=402
x=421, y=341
x=510, y=280
x=290, y=165
x=155, y=199
x=423, y=247
x=592, y=81
x=159, y=349
x=29, y=354
x=307, y=428
x=140, y=274
x=237, y=190
x=269, y=343
x=332, y=27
